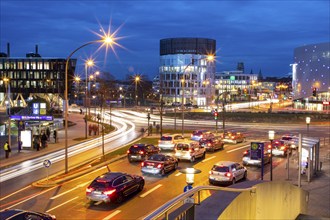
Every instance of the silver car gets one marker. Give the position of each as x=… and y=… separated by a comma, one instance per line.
x=189, y=150
x=167, y=142
x=225, y=172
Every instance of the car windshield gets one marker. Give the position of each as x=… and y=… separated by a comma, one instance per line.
x=157, y=157
x=99, y=184
x=197, y=133
x=166, y=138
x=220, y=168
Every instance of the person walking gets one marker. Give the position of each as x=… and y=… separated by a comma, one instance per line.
x=48, y=133
x=55, y=135
x=43, y=140
x=36, y=142
x=7, y=149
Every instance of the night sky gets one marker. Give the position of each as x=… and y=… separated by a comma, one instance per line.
x=262, y=34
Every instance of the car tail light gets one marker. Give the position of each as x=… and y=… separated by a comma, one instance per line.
x=89, y=189
x=211, y=172
x=109, y=192
x=128, y=151
x=159, y=166
x=191, y=150
x=228, y=174
x=232, y=137
x=245, y=152
x=142, y=164
x=209, y=144
x=283, y=148
x=269, y=146
x=141, y=152
x=159, y=141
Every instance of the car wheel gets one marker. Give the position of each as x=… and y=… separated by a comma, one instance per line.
x=141, y=186
x=129, y=159
x=203, y=157
x=233, y=181
x=162, y=172
x=192, y=159
x=120, y=198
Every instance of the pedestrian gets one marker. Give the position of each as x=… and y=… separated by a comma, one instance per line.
x=43, y=140
x=19, y=145
x=90, y=129
x=48, y=133
x=81, y=111
x=7, y=149
x=55, y=136
x=36, y=143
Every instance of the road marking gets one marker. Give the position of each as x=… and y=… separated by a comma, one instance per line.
x=74, y=188
x=37, y=194
x=14, y=193
x=210, y=158
x=62, y=204
x=112, y=214
x=238, y=148
x=98, y=203
x=178, y=174
x=150, y=191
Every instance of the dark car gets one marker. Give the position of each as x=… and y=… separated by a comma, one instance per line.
x=159, y=164
x=211, y=144
x=18, y=214
x=113, y=187
x=141, y=152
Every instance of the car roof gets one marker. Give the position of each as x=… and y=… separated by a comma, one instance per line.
x=225, y=163
x=11, y=213
x=110, y=176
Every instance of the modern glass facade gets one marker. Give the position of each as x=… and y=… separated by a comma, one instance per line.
x=185, y=74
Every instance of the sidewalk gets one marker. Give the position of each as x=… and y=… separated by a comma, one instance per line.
x=74, y=132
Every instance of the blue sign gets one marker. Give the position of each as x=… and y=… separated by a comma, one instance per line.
x=256, y=150
x=47, y=163
x=31, y=117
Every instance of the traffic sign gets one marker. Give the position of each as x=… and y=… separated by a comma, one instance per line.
x=47, y=163
x=256, y=150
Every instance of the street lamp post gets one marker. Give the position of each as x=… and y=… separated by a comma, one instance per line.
x=88, y=63
x=271, y=135
x=7, y=84
x=136, y=79
x=308, y=121
x=105, y=41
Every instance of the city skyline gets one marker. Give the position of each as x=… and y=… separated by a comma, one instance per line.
x=263, y=35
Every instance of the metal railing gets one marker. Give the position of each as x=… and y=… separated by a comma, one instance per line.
x=165, y=210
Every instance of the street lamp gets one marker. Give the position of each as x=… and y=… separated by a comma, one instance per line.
x=106, y=40
x=77, y=81
x=271, y=135
x=136, y=79
x=7, y=84
x=190, y=175
x=308, y=121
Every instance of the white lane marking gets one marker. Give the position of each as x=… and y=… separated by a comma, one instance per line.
x=150, y=191
x=15, y=192
x=38, y=194
x=112, y=214
x=178, y=174
x=98, y=203
x=210, y=158
x=62, y=204
x=238, y=148
x=74, y=188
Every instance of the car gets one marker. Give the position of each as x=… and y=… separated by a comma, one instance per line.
x=279, y=148
x=199, y=134
x=24, y=214
x=233, y=137
x=113, y=187
x=248, y=161
x=227, y=172
x=212, y=144
x=140, y=152
x=291, y=140
x=168, y=141
x=189, y=150
x=159, y=164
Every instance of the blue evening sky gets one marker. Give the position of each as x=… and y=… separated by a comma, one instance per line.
x=262, y=34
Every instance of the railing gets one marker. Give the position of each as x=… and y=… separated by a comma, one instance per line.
x=182, y=201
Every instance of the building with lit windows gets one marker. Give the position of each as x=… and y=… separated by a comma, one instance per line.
x=185, y=74
x=33, y=75
x=311, y=76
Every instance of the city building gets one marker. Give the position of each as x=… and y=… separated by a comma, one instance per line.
x=33, y=75
x=186, y=76
x=311, y=76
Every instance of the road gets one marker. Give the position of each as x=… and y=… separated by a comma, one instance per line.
x=68, y=201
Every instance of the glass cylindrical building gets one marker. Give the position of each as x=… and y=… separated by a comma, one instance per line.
x=185, y=74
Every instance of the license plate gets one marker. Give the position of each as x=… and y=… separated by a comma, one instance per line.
x=97, y=192
x=134, y=156
x=149, y=167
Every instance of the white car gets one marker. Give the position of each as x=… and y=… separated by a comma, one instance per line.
x=225, y=172
x=189, y=150
x=167, y=142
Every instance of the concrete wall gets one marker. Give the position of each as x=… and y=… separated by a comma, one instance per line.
x=272, y=200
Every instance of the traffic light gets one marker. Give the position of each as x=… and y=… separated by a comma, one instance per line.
x=216, y=114
x=314, y=91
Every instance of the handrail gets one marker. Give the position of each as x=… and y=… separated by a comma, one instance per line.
x=164, y=209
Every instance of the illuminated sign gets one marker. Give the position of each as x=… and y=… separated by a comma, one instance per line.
x=325, y=103
x=39, y=108
x=232, y=77
x=31, y=117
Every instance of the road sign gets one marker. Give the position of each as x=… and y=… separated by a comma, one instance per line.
x=256, y=150
x=47, y=163
x=21, y=125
